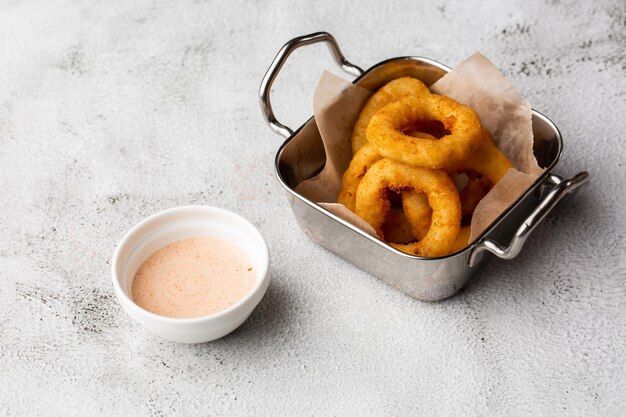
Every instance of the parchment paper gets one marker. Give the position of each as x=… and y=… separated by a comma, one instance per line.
x=476, y=83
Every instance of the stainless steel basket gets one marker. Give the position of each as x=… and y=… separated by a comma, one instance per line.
x=302, y=156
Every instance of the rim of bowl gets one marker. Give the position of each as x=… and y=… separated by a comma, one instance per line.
x=116, y=257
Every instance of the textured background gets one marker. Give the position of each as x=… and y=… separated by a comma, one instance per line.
x=111, y=111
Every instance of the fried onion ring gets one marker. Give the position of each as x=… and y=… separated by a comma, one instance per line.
x=484, y=167
x=391, y=91
x=385, y=131
x=477, y=187
x=462, y=240
x=372, y=204
x=418, y=213
x=486, y=160
x=361, y=161
x=397, y=228
x=396, y=224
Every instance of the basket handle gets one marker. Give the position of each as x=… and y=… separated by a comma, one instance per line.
x=560, y=188
x=279, y=61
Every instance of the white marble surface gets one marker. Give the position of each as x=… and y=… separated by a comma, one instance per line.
x=111, y=111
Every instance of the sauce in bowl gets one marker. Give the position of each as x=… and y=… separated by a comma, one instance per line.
x=193, y=278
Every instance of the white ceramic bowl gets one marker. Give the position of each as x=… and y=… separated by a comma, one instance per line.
x=186, y=222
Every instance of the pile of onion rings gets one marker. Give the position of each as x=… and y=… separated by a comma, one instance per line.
x=421, y=164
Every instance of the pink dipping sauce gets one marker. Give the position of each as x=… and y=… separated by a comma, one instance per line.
x=193, y=278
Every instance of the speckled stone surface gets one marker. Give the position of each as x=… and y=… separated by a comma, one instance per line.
x=111, y=111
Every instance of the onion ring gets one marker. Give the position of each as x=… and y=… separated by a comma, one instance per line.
x=366, y=156
x=391, y=91
x=486, y=160
x=418, y=213
x=477, y=187
x=372, y=206
x=396, y=225
x=397, y=228
x=462, y=240
x=385, y=131
x=484, y=168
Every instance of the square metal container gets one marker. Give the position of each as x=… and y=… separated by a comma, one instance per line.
x=302, y=157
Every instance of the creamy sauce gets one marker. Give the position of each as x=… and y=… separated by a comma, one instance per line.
x=193, y=277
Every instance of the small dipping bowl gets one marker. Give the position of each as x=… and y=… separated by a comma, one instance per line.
x=180, y=223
